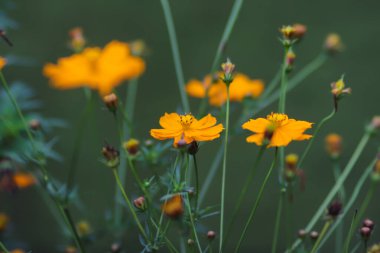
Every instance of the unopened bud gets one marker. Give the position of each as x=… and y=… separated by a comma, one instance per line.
x=111, y=102
x=35, y=124
x=334, y=209
x=173, y=207
x=287, y=31
x=193, y=148
x=77, y=41
x=291, y=161
x=190, y=242
x=302, y=234
x=138, y=47
x=211, y=235
x=3, y=221
x=83, y=228
x=368, y=223
x=365, y=232
x=228, y=69
x=333, y=43
x=149, y=143
x=299, y=31
x=132, y=146
x=111, y=155
x=314, y=235
x=140, y=203
x=333, y=145
x=290, y=59
x=115, y=247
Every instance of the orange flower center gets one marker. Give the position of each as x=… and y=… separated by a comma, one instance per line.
x=186, y=120
x=277, y=119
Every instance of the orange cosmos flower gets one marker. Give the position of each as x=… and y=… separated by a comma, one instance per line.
x=3, y=62
x=96, y=68
x=173, y=207
x=187, y=127
x=282, y=130
x=241, y=87
x=23, y=180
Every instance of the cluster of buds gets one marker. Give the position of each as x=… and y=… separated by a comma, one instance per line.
x=333, y=44
x=112, y=156
x=339, y=90
x=292, y=33
x=111, y=102
x=334, y=210
x=140, y=203
x=77, y=40
x=132, y=146
x=228, y=69
x=333, y=145
x=366, y=229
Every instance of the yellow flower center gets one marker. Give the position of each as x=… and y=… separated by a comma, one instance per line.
x=186, y=120
x=277, y=119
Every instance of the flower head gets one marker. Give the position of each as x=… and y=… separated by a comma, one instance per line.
x=96, y=68
x=187, y=128
x=173, y=207
x=77, y=41
x=132, y=146
x=283, y=129
x=338, y=88
x=333, y=43
x=333, y=144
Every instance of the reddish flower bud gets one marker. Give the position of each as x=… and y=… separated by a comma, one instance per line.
x=211, y=235
x=368, y=223
x=365, y=232
x=111, y=102
x=314, y=235
x=140, y=203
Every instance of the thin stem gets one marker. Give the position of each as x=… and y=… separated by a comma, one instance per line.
x=310, y=143
x=3, y=248
x=77, y=239
x=176, y=55
x=197, y=189
x=224, y=170
x=342, y=196
x=278, y=220
x=354, y=158
x=243, y=192
x=321, y=235
x=361, y=212
x=193, y=224
x=138, y=179
x=347, y=242
x=351, y=201
x=171, y=247
x=222, y=44
x=257, y=202
x=272, y=85
x=131, y=101
x=130, y=206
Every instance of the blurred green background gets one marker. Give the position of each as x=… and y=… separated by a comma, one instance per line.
x=254, y=47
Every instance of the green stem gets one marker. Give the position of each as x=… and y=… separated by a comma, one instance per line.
x=176, y=55
x=347, y=242
x=138, y=179
x=222, y=44
x=171, y=246
x=278, y=220
x=361, y=212
x=77, y=239
x=272, y=85
x=193, y=224
x=224, y=170
x=321, y=235
x=342, y=196
x=310, y=143
x=197, y=189
x=3, y=248
x=354, y=158
x=243, y=192
x=257, y=202
x=77, y=145
x=351, y=201
x=130, y=206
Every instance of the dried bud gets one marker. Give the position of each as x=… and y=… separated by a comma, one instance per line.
x=333, y=43
x=365, y=232
x=77, y=41
x=334, y=209
x=140, y=203
x=3, y=221
x=291, y=161
x=333, y=145
x=193, y=148
x=314, y=235
x=111, y=102
x=299, y=31
x=302, y=234
x=173, y=207
x=111, y=155
x=83, y=228
x=211, y=235
x=228, y=69
x=368, y=223
x=35, y=124
x=132, y=146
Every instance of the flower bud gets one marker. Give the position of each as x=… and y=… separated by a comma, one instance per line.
x=111, y=156
x=190, y=242
x=132, y=146
x=228, y=69
x=334, y=209
x=193, y=148
x=302, y=234
x=149, y=143
x=173, y=207
x=115, y=247
x=71, y=249
x=83, y=228
x=268, y=134
x=35, y=124
x=314, y=235
x=138, y=48
x=368, y=223
x=365, y=232
x=291, y=161
x=77, y=41
x=111, y=102
x=333, y=145
x=290, y=59
x=333, y=43
x=299, y=31
x=140, y=203
x=211, y=235
x=287, y=31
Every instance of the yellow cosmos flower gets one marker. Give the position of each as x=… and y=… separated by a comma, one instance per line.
x=241, y=87
x=187, y=128
x=96, y=68
x=283, y=130
x=3, y=62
